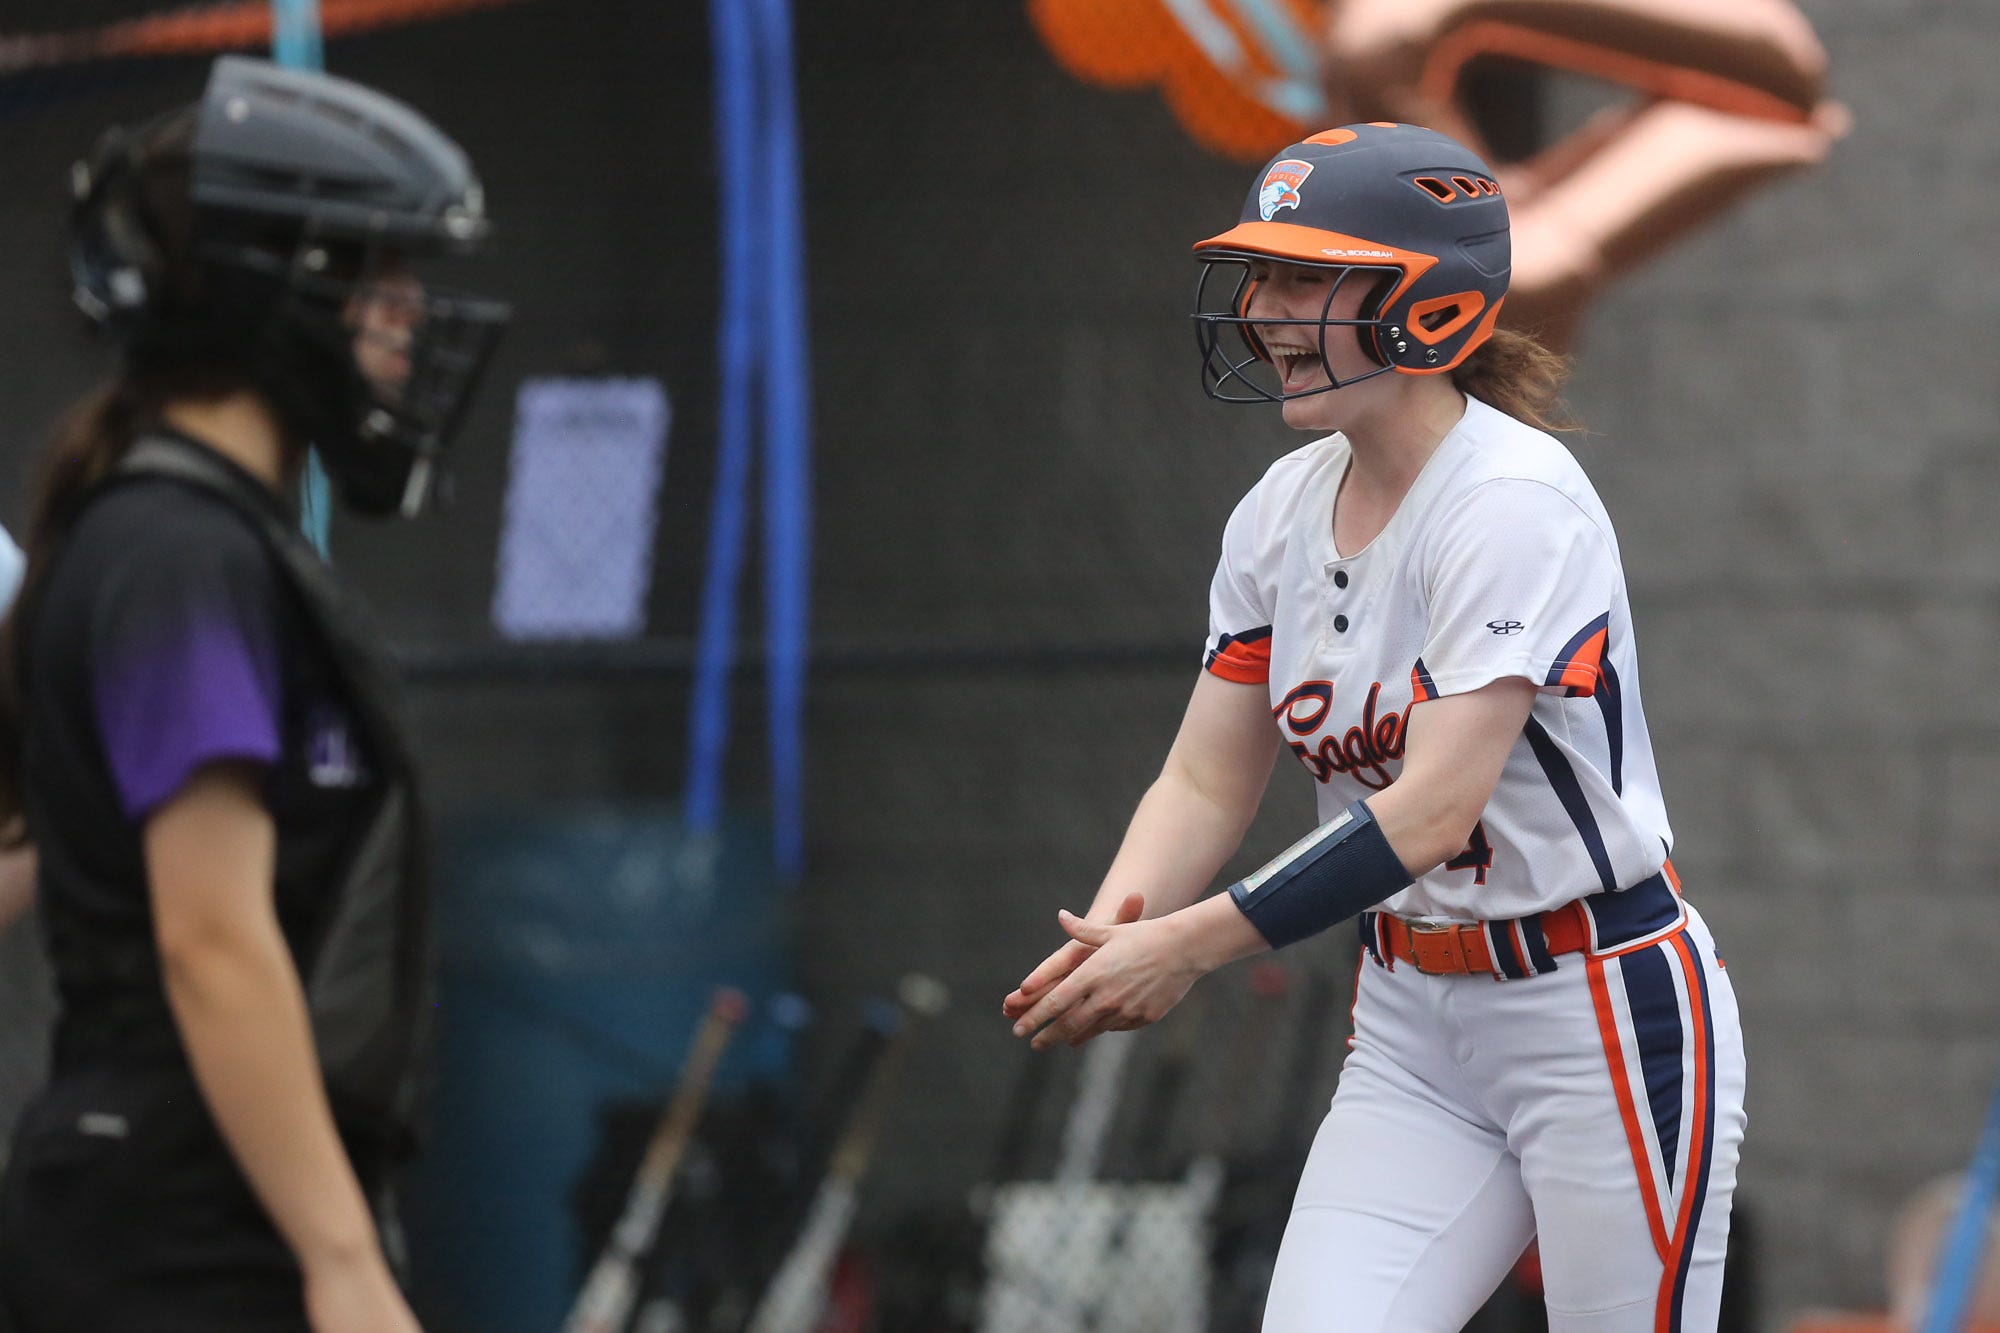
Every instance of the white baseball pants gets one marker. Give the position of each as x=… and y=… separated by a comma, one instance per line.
x=1599, y=1106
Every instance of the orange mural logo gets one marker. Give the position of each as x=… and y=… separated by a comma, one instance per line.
x=1727, y=95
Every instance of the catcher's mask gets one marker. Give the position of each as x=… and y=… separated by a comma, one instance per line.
x=314, y=203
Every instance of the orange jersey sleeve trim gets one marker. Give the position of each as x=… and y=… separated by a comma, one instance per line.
x=1579, y=667
x=1244, y=658
x=1422, y=687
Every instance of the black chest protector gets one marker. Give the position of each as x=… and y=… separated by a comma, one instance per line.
x=365, y=956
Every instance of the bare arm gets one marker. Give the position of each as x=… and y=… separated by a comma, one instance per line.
x=1452, y=759
x=240, y=1007
x=1135, y=971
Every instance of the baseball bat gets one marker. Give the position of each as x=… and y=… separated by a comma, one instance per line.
x=805, y=1152
x=797, y=1295
x=881, y=1019
x=605, y=1302
x=786, y=1015
x=1958, y=1269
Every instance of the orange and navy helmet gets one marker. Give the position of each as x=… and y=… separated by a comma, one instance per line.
x=1409, y=209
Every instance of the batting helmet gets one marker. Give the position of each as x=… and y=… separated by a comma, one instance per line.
x=1399, y=203
x=242, y=230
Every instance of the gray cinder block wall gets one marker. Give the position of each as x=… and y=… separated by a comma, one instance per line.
x=1799, y=415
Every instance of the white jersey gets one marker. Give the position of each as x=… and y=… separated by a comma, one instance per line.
x=1499, y=562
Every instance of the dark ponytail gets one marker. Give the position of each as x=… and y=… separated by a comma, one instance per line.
x=1513, y=372
x=88, y=443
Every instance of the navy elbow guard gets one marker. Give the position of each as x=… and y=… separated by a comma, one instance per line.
x=1341, y=869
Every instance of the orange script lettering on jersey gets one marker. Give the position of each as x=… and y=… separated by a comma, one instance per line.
x=1362, y=751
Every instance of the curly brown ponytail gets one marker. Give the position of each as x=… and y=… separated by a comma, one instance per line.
x=1516, y=374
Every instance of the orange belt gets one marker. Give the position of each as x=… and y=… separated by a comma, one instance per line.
x=1455, y=949
x=1465, y=948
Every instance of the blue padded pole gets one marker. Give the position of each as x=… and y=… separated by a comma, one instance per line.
x=788, y=446
x=295, y=36
x=295, y=43
x=742, y=236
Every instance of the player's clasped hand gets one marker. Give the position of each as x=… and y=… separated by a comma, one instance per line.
x=1064, y=961
x=1108, y=978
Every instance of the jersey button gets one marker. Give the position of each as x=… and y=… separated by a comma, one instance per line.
x=1340, y=578
x=1340, y=624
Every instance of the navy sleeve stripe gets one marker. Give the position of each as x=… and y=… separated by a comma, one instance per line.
x=1613, y=707
x=1556, y=766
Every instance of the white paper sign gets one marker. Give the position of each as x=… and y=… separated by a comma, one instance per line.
x=576, y=536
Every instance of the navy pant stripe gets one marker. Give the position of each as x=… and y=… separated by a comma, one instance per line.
x=1656, y=1026
x=1698, y=1175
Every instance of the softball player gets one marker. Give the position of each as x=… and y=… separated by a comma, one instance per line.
x=1426, y=608
x=201, y=729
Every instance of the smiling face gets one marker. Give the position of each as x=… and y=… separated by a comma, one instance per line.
x=1303, y=351
x=1295, y=312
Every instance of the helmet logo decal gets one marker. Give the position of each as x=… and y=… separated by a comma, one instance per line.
x=1281, y=186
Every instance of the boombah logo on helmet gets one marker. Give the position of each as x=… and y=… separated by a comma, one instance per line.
x=1281, y=186
x=1397, y=201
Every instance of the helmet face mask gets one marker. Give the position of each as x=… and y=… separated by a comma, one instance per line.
x=1237, y=366
x=367, y=362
